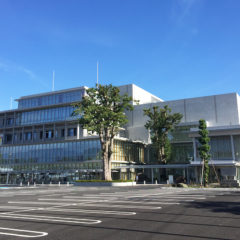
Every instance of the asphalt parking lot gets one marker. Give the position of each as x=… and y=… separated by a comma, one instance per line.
x=140, y=212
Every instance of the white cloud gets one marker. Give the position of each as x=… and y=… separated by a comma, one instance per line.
x=27, y=71
x=12, y=67
x=181, y=9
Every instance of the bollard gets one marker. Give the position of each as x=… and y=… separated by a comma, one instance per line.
x=50, y=183
x=20, y=184
x=67, y=184
x=42, y=183
x=34, y=184
x=59, y=184
x=144, y=182
x=28, y=184
x=156, y=182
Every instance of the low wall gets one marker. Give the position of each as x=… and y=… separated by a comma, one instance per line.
x=111, y=184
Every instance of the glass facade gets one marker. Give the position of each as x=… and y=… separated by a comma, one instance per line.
x=236, y=140
x=181, y=133
x=45, y=115
x=51, y=99
x=47, y=157
x=68, y=155
x=128, y=151
x=221, y=148
x=181, y=153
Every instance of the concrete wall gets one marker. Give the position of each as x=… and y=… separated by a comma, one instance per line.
x=144, y=96
x=139, y=94
x=238, y=101
x=217, y=110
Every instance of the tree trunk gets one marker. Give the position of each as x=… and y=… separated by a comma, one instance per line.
x=106, y=163
x=202, y=173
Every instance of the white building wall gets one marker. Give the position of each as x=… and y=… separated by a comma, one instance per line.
x=238, y=101
x=139, y=94
x=227, y=109
x=143, y=96
x=218, y=110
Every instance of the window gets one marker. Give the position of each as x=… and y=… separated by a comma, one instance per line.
x=15, y=137
x=29, y=136
x=34, y=135
x=63, y=132
x=49, y=134
x=10, y=121
x=8, y=138
x=72, y=132
x=41, y=134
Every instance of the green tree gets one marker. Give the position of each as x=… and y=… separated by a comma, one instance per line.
x=101, y=112
x=160, y=123
x=204, y=150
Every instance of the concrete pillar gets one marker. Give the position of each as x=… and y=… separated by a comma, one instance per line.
x=7, y=178
x=65, y=130
x=78, y=131
x=33, y=129
x=43, y=136
x=232, y=146
x=152, y=174
x=13, y=132
x=187, y=173
x=22, y=134
x=194, y=150
x=54, y=131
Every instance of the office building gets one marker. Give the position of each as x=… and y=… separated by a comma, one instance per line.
x=41, y=141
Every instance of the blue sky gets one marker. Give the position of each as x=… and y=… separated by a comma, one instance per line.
x=172, y=48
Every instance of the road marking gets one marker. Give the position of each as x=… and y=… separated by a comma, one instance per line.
x=69, y=200
x=42, y=203
x=115, y=200
x=151, y=203
x=20, y=233
x=117, y=206
x=51, y=219
x=166, y=198
x=90, y=211
x=15, y=207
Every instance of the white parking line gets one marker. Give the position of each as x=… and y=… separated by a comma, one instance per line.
x=40, y=203
x=166, y=197
x=69, y=200
x=148, y=203
x=15, y=207
x=51, y=219
x=89, y=211
x=21, y=233
x=115, y=200
x=117, y=206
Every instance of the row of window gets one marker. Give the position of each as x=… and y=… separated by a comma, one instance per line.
x=47, y=134
x=67, y=152
x=58, y=98
x=221, y=149
x=50, y=153
x=40, y=116
x=45, y=115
